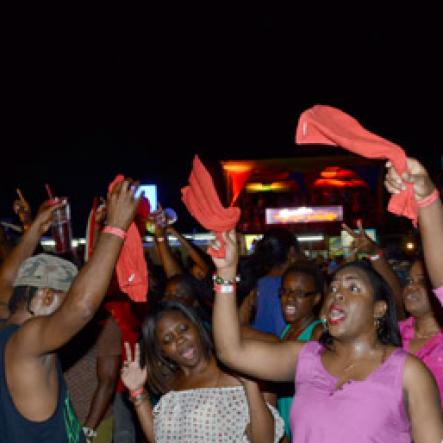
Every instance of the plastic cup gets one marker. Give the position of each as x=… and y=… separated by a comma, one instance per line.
x=61, y=228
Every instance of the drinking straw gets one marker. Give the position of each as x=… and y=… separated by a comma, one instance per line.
x=48, y=190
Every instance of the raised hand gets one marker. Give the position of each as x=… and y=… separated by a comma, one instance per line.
x=416, y=174
x=22, y=208
x=361, y=242
x=227, y=266
x=43, y=219
x=122, y=204
x=132, y=375
x=159, y=219
x=100, y=213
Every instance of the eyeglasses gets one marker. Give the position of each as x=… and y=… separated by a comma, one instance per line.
x=298, y=293
x=417, y=281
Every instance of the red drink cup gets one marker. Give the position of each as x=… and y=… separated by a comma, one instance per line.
x=61, y=228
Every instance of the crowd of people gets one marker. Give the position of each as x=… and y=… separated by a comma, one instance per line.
x=267, y=347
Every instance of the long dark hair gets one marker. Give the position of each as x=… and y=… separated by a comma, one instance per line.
x=388, y=332
x=161, y=369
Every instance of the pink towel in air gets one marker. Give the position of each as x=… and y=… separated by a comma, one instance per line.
x=203, y=203
x=327, y=125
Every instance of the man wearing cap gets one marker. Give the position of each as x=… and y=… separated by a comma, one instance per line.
x=48, y=306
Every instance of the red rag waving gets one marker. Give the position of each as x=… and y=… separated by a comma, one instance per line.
x=330, y=126
x=131, y=268
x=203, y=203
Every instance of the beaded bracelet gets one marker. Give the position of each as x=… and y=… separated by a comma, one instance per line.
x=434, y=195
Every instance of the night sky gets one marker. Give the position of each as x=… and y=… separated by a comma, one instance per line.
x=89, y=92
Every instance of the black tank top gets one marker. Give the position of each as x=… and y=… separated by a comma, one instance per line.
x=62, y=427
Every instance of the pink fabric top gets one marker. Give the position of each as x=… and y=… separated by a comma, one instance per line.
x=360, y=411
x=431, y=353
x=439, y=294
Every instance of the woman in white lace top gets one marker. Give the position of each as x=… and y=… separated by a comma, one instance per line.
x=201, y=401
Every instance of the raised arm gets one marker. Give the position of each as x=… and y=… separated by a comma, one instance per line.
x=259, y=359
x=22, y=251
x=134, y=378
x=45, y=334
x=430, y=217
x=167, y=258
x=364, y=244
x=190, y=250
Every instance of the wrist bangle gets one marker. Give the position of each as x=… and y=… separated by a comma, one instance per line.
x=115, y=231
x=434, y=195
x=377, y=256
x=137, y=392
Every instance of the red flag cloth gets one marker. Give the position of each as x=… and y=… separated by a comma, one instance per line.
x=330, y=126
x=203, y=203
x=131, y=267
x=129, y=326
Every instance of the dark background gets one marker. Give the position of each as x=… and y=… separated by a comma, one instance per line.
x=91, y=91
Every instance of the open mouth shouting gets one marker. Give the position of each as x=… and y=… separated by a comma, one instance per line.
x=336, y=314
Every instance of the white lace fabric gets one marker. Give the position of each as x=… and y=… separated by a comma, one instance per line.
x=206, y=415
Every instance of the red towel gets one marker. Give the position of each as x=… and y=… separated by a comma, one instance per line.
x=330, y=126
x=131, y=267
x=201, y=199
x=129, y=326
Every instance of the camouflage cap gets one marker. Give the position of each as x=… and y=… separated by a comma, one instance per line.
x=46, y=271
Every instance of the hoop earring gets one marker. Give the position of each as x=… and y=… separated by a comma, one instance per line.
x=324, y=323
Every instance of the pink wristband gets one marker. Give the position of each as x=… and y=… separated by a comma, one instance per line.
x=227, y=288
x=137, y=392
x=429, y=199
x=115, y=231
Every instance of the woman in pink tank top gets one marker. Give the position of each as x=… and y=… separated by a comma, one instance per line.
x=357, y=385
x=422, y=332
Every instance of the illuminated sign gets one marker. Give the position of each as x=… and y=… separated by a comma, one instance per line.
x=150, y=192
x=304, y=214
